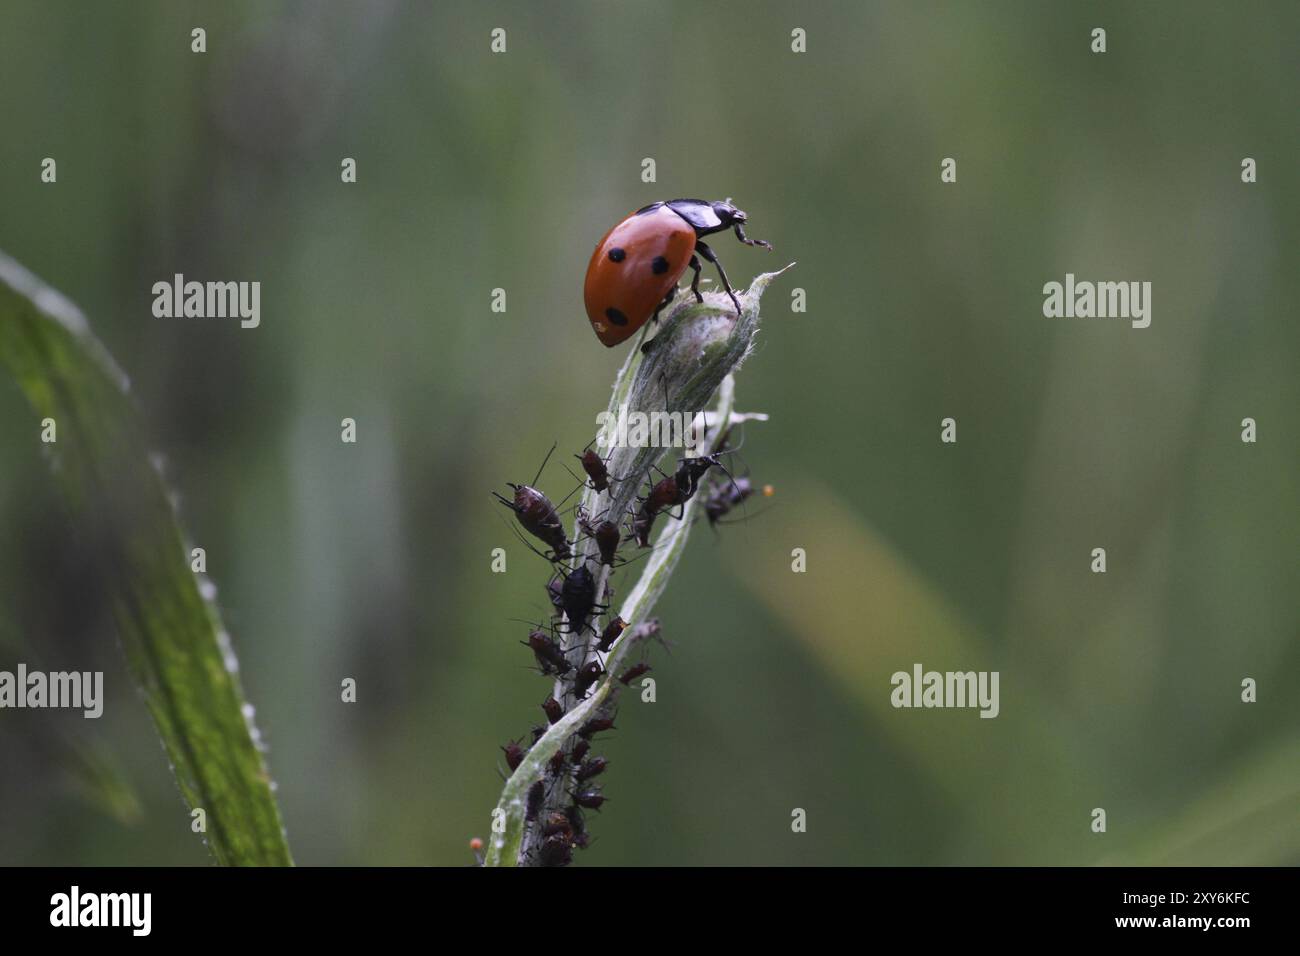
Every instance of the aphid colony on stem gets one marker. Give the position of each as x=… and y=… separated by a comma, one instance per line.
x=572, y=648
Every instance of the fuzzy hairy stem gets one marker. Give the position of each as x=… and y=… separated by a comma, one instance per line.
x=693, y=357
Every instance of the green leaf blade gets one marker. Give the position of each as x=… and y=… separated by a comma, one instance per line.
x=176, y=648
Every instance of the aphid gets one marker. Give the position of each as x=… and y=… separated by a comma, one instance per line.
x=550, y=658
x=554, y=709
x=633, y=672
x=536, y=794
x=670, y=492
x=646, y=629
x=594, y=766
x=587, y=675
x=723, y=498
x=642, y=524
x=611, y=634
x=557, y=824
x=596, y=469
x=606, y=536
x=589, y=799
x=634, y=269
x=580, y=750
x=556, y=850
x=689, y=473
x=538, y=733
x=595, y=725
x=578, y=597
x=579, y=825
x=553, y=587
x=536, y=513
x=607, y=541
x=556, y=763
x=663, y=495
x=514, y=754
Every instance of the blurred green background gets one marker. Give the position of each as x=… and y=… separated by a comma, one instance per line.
x=479, y=171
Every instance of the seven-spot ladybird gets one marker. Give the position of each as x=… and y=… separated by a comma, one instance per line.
x=634, y=271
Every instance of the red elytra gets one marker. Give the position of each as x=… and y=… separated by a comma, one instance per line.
x=634, y=269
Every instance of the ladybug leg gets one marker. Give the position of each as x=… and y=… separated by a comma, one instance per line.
x=672, y=293
x=695, y=283
x=740, y=234
x=703, y=249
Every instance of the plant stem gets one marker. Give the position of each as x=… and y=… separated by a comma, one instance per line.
x=694, y=355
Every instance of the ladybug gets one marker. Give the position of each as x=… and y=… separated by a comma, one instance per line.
x=634, y=271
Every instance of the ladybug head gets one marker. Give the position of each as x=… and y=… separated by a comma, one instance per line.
x=728, y=213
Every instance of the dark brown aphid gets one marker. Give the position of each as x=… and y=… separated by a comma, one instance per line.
x=611, y=634
x=594, y=766
x=596, y=725
x=589, y=799
x=556, y=763
x=587, y=675
x=633, y=672
x=557, y=824
x=536, y=513
x=539, y=518
x=595, y=468
x=553, y=709
x=556, y=850
x=607, y=540
x=536, y=794
x=606, y=535
x=670, y=492
x=514, y=754
x=663, y=495
x=580, y=750
x=549, y=656
x=538, y=733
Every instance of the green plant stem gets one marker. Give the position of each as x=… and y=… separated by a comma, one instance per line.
x=693, y=357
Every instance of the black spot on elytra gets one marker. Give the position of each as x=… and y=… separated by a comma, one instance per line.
x=659, y=266
x=617, y=255
x=615, y=316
